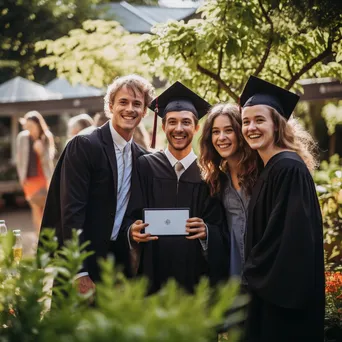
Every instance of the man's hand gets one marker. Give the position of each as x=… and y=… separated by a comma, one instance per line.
x=137, y=236
x=84, y=285
x=197, y=228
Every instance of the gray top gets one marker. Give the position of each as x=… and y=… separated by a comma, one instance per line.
x=235, y=203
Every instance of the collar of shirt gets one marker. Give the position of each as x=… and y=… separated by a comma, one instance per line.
x=119, y=141
x=186, y=161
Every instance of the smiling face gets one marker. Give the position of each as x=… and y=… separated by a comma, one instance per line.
x=224, y=138
x=258, y=128
x=180, y=129
x=128, y=108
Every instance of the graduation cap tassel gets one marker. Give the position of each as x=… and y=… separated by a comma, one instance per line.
x=154, y=131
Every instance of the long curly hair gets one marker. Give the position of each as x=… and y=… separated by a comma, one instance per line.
x=291, y=135
x=212, y=165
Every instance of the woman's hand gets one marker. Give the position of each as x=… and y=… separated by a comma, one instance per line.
x=38, y=147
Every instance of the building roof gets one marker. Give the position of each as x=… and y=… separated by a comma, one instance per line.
x=19, y=89
x=62, y=86
x=140, y=19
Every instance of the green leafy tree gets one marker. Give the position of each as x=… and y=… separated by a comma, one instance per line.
x=23, y=23
x=333, y=116
x=279, y=40
x=95, y=53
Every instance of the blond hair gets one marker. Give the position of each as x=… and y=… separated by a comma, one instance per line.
x=291, y=135
x=133, y=82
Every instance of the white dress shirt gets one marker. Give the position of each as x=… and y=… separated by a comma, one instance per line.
x=124, y=170
x=186, y=161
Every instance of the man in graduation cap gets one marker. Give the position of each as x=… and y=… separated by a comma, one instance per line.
x=171, y=179
x=284, y=266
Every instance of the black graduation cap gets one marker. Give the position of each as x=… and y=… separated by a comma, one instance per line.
x=260, y=92
x=177, y=98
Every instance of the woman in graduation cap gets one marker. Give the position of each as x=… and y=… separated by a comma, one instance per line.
x=229, y=166
x=284, y=266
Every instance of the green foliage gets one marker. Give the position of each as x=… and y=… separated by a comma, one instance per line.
x=233, y=39
x=23, y=23
x=333, y=309
x=329, y=187
x=329, y=180
x=94, y=54
x=332, y=115
x=123, y=312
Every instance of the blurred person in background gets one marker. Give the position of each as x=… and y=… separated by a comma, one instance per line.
x=80, y=124
x=35, y=150
x=100, y=119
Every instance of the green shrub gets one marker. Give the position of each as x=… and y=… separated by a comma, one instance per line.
x=329, y=187
x=123, y=312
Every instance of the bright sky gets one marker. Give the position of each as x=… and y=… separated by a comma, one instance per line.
x=179, y=3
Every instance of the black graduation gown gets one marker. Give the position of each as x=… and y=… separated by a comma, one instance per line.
x=284, y=255
x=175, y=256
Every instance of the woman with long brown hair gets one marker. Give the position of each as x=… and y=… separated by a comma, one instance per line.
x=284, y=267
x=229, y=166
x=35, y=152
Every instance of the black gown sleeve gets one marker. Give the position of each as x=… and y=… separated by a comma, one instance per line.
x=281, y=267
x=74, y=186
x=218, y=239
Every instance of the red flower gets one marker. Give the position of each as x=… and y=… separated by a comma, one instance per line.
x=333, y=282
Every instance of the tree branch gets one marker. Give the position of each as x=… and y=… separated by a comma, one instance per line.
x=220, y=55
x=269, y=42
x=279, y=75
x=289, y=68
x=220, y=58
x=309, y=65
x=218, y=80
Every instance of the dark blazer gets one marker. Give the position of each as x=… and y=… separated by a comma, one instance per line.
x=83, y=195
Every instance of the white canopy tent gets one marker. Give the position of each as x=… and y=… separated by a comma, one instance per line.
x=19, y=89
x=62, y=86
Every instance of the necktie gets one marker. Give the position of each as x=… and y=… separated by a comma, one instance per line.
x=122, y=166
x=179, y=168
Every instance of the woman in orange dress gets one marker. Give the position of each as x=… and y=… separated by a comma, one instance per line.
x=35, y=153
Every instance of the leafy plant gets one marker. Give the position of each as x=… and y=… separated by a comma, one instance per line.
x=329, y=180
x=122, y=311
x=94, y=54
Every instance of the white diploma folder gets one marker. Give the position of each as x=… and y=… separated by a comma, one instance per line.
x=164, y=221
